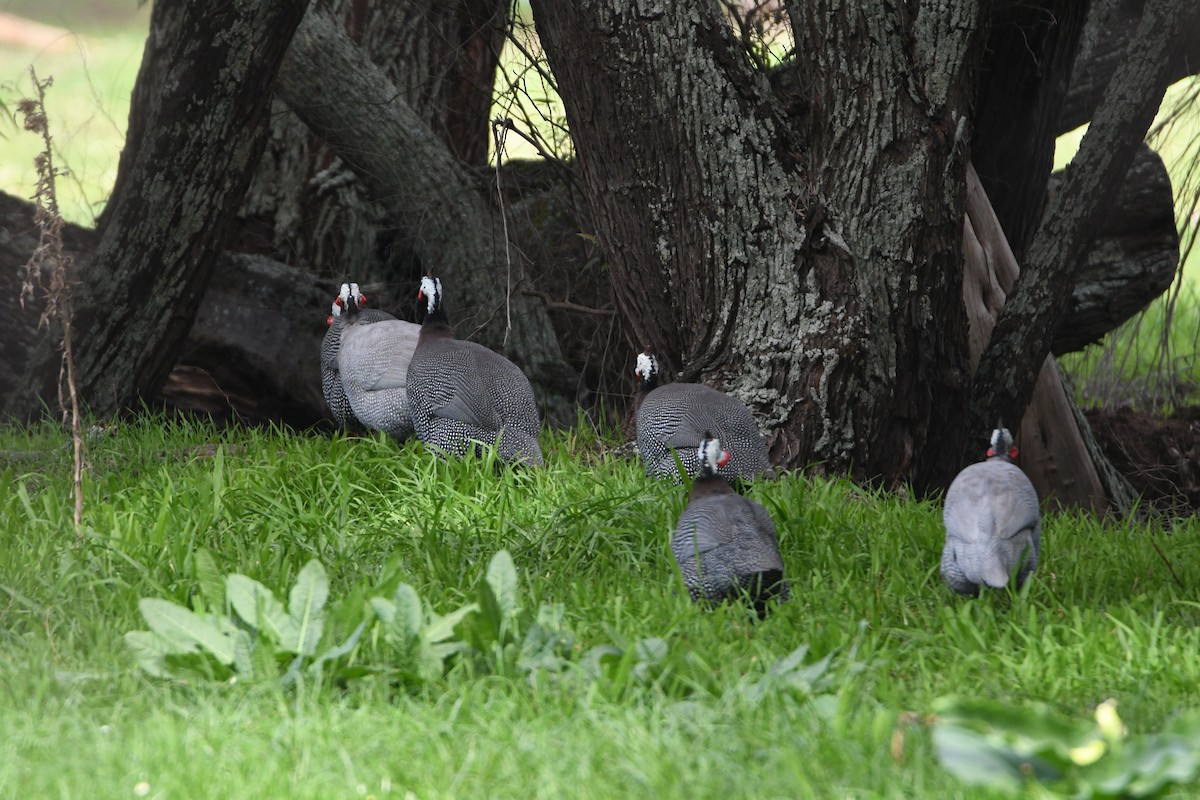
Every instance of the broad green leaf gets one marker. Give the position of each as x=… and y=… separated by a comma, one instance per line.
x=441, y=628
x=385, y=610
x=306, y=607
x=502, y=578
x=336, y=652
x=151, y=651
x=264, y=657
x=257, y=607
x=243, y=656
x=791, y=661
x=209, y=579
x=185, y=631
x=975, y=760
x=1146, y=765
x=410, y=613
x=547, y=641
x=484, y=630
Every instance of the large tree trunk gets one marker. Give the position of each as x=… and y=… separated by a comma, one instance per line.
x=175, y=193
x=813, y=273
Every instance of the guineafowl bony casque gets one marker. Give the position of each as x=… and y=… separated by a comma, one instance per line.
x=725, y=544
x=675, y=416
x=993, y=525
x=461, y=392
x=364, y=365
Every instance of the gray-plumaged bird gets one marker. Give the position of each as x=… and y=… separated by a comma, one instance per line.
x=461, y=392
x=725, y=544
x=364, y=365
x=993, y=525
x=676, y=415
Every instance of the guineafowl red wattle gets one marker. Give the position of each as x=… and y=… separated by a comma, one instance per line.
x=725, y=544
x=461, y=392
x=364, y=365
x=676, y=415
x=993, y=525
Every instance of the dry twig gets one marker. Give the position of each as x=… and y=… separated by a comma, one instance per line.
x=49, y=267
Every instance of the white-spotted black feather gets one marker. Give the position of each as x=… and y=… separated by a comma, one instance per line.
x=676, y=415
x=461, y=392
x=725, y=544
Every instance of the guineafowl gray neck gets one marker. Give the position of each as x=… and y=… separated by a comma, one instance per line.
x=709, y=486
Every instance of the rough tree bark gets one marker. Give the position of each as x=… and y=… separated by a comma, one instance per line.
x=175, y=192
x=1024, y=331
x=813, y=273
x=305, y=206
x=1026, y=79
x=1110, y=25
x=1057, y=449
x=1132, y=259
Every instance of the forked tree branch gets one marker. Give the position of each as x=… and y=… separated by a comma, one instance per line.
x=1025, y=328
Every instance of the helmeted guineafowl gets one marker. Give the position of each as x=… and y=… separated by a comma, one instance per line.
x=331, y=345
x=724, y=543
x=993, y=525
x=461, y=392
x=676, y=415
x=364, y=365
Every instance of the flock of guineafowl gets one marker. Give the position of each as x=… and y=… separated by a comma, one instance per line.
x=380, y=373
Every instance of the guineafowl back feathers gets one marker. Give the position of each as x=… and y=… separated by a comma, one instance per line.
x=461, y=392
x=331, y=345
x=993, y=527
x=726, y=544
x=677, y=415
x=373, y=364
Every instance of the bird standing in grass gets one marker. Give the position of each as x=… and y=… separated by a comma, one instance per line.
x=364, y=365
x=675, y=417
x=993, y=524
x=461, y=392
x=725, y=544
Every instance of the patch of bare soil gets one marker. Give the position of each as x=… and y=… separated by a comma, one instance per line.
x=1160, y=456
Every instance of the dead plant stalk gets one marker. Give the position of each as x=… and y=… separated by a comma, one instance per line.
x=51, y=260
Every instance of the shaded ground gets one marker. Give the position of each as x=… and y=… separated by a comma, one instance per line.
x=1159, y=455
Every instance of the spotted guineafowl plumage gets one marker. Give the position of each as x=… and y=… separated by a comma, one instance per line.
x=364, y=366
x=725, y=544
x=676, y=415
x=993, y=525
x=461, y=392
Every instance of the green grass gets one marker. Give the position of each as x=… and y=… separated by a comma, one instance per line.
x=88, y=109
x=1102, y=618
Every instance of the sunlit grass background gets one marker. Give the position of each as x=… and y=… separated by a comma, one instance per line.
x=1147, y=363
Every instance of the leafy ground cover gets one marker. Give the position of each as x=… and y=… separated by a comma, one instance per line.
x=572, y=664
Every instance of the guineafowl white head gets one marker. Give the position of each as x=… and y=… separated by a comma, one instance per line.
x=1002, y=445
x=710, y=456
x=431, y=292
x=647, y=368
x=348, y=298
